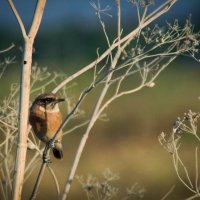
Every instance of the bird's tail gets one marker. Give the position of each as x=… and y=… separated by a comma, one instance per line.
x=57, y=149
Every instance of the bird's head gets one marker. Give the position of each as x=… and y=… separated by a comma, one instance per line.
x=48, y=101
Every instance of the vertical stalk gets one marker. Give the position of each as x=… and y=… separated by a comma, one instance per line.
x=37, y=183
x=118, y=21
x=85, y=136
x=19, y=169
x=23, y=119
x=97, y=109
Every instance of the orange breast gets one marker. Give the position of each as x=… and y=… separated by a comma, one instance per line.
x=45, y=124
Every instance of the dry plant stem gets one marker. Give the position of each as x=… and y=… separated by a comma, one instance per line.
x=8, y=49
x=168, y=193
x=40, y=175
x=176, y=162
x=98, y=109
x=83, y=141
x=32, y=161
x=168, y=3
x=75, y=127
x=23, y=120
x=127, y=38
x=118, y=21
x=143, y=84
x=193, y=197
x=47, y=148
x=24, y=95
x=106, y=35
x=28, y=174
x=197, y=171
x=6, y=162
x=2, y=192
x=34, y=158
x=196, y=191
x=19, y=20
x=37, y=183
x=55, y=179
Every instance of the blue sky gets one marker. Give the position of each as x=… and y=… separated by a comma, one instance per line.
x=81, y=12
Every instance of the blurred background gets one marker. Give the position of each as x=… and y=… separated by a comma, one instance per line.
x=67, y=40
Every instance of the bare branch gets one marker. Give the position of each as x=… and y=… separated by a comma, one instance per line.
x=8, y=49
x=196, y=171
x=118, y=21
x=37, y=18
x=19, y=20
x=38, y=180
x=168, y=193
x=188, y=124
x=127, y=39
x=55, y=180
x=24, y=97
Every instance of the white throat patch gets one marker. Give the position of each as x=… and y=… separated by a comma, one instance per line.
x=55, y=109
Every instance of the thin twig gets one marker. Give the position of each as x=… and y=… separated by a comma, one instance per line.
x=55, y=180
x=127, y=38
x=75, y=127
x=176, y=160
x=168, y=193
x=192, y=197
x=196, y=171
x=47, y=148
x=19, y=20
x=6, y=152
x=93, y=119
x=37, y=183
x=38, y=14
x=8, y=49
x=105, y=34
x=28, y=174
x=65, y=121
x=33, y=159
x=118, y=21
x=2, y=192
x=168, y=3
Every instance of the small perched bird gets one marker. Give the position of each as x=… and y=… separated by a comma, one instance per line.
x=45, y=118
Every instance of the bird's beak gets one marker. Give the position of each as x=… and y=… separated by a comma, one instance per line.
x=59, y=100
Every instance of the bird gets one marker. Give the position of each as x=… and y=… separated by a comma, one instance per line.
x=45, y=118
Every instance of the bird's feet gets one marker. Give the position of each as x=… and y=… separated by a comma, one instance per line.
x=50, y=144
x=46, y=156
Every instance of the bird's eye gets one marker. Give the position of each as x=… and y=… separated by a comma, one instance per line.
x=45, y=101
x=48, y=100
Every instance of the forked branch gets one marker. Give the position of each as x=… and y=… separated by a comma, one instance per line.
x=24, y=94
